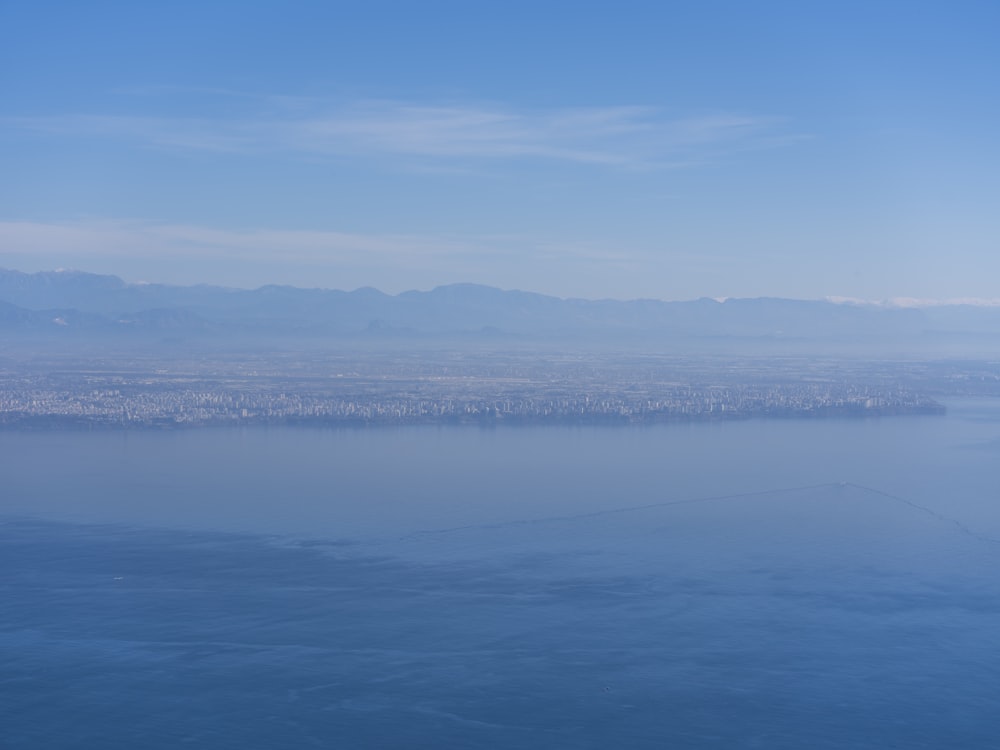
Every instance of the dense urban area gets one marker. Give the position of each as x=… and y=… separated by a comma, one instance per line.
x=451, y=387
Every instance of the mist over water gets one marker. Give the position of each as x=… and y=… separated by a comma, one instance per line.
x=792, y=583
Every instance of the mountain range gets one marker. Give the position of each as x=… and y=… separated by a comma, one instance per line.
x=80, y=304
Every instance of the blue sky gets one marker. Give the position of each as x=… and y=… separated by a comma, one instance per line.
x=666, y=150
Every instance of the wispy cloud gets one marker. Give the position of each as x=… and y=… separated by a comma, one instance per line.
x=623, y=136
x=185, y=242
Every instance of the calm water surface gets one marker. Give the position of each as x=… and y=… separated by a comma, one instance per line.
x=363, y=483
x=748, y=584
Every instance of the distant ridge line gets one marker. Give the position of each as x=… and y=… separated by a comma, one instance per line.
x=68, y=304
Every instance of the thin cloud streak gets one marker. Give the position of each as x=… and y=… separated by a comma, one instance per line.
x=130, y=238
x=624, y=136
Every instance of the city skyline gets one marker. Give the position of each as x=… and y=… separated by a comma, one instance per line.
x=655, y=152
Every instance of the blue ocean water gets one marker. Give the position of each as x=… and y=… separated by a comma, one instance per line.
x=773, y=584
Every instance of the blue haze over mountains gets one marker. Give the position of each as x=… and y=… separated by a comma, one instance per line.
x=74, y=304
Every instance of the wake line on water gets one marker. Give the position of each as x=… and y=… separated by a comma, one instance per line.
x=709, y=499
x=609, y=512
x=924, y=509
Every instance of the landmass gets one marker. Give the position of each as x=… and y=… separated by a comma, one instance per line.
x=449, y=387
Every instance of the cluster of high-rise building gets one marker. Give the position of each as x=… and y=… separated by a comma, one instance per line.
x=167, y=401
